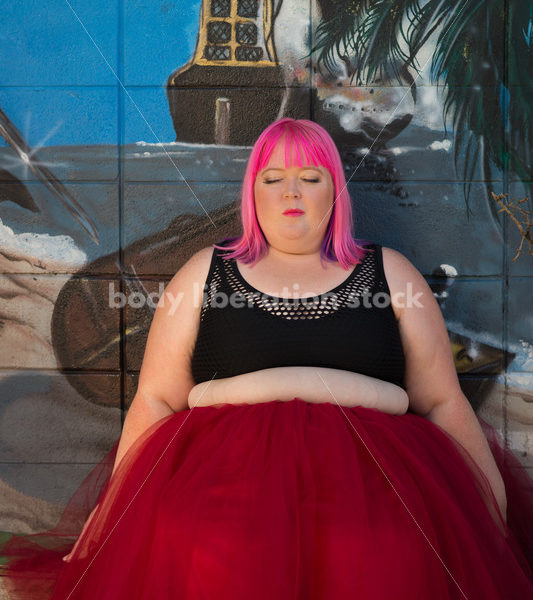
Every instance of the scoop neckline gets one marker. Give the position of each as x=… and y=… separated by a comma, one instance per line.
x=306, y=298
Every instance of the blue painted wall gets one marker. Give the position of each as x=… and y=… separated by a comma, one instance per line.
x=61, y=63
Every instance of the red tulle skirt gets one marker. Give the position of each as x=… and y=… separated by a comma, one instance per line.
x=286, y=500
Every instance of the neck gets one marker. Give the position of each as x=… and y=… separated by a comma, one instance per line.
x=296, y=257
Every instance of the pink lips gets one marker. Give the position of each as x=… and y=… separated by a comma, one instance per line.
x=293, y=212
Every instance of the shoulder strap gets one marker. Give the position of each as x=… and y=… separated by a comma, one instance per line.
x=380, y=270
x=212, y=266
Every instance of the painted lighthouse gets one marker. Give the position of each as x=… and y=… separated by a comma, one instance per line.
x=232, y=88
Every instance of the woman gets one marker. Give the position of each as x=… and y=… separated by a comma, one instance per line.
x=298, y=430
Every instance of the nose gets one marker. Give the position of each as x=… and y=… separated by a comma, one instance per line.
x=291, y=188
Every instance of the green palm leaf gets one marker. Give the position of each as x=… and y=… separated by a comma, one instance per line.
x=491, y=115
x=520, y=89
x=335, y=32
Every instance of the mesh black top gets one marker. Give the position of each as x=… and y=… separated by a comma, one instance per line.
x=352, y=327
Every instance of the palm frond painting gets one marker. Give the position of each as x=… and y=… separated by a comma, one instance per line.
x=482, y=60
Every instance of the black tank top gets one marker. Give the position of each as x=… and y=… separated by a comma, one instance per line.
x=352, y=327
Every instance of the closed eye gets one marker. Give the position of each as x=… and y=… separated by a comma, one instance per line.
x=306, y=179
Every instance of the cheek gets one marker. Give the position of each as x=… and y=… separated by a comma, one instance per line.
x=261, y=207
x=264, y=201
x=325, y=197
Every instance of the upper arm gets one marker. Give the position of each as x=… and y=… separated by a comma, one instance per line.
x=430, y=374
x=166, y=368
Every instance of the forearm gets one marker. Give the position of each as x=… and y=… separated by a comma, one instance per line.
x=458, y=419
x=142, y=414
x=313, y=384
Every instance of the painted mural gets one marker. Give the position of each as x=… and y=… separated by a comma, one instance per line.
x=126, y=157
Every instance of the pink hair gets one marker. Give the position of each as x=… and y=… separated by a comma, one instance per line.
x=308, y=144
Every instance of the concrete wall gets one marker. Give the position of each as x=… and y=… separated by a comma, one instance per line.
x=110, y=180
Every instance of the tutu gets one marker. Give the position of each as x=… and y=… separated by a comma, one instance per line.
x=288, y=500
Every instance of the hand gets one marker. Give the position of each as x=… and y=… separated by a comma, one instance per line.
x=68, y=557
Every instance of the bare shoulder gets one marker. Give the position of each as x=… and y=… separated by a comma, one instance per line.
x=400, y=272
x=193, y=271
x=202, y=257
x=396, y=263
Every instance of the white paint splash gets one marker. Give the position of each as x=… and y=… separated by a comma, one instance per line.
x=441, y=145
x=48, y=252
x=450, y=270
